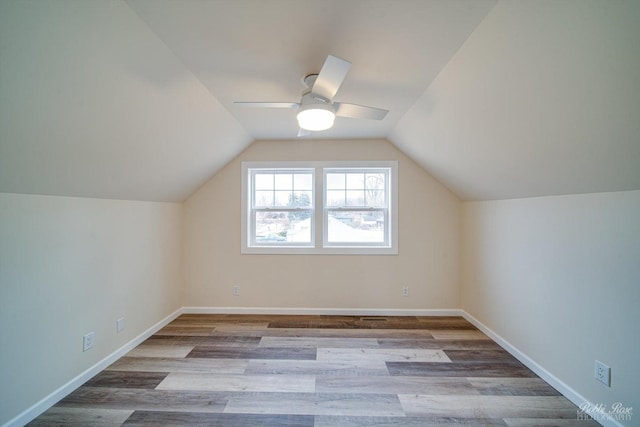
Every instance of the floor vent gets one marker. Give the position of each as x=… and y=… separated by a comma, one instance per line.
x=374, y=319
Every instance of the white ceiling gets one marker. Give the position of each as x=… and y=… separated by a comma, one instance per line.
x=92, y=104
x=256, y=50
x=134, y=100
x=543, y=99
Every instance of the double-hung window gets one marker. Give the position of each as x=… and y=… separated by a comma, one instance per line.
x=282, y=213
x=356, y=207
x=320, y=207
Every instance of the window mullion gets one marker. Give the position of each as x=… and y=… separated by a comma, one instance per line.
x=319, y=193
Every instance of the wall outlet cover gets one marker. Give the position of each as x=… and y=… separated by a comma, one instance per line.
x=602, y=373
x=120, y=325
x=87, y=341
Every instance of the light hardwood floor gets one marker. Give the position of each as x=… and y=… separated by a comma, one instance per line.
x=237, y=370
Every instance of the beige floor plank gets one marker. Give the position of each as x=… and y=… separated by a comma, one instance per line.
x=186, y=331
x=153, y=350
x=315, y=404
x=317, y=367
x=189, y=364
x=394, y=385
x=210, y=340
x=327, y=332
x=458, y=334
x=386, y=354
x=244, y=383
x=513, y=386
x=319, y=342
x=541, y=422
x=240, y=328
x=366, y=421
x=488, y=406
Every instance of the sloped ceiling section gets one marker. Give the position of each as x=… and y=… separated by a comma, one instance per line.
x=134, y=100
x=93, y=104
x=259, y=50
x=542, y=99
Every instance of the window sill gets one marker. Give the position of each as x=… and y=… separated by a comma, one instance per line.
x=270, y=250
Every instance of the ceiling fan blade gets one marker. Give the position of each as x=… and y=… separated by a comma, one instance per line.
x=303, y=132
x=356, y=111
x=331, y=76
x=268, y=104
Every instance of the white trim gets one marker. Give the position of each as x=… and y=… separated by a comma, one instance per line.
x=319, y=246
x=554, y=381
x=39, y=407
x=324, y=311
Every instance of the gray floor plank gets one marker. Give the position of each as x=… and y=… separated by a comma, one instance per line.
x=154, y=419
x=60, y=416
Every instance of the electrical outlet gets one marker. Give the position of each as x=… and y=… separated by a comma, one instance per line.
x=87, y=341
x=236, y=290
x=405, y=291
x=603, y=373
x=120, y=325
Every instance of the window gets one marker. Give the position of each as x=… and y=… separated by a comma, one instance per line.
x=319, y=207
x=282, y=211
x=356, y=207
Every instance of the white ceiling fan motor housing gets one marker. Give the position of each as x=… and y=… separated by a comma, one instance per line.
x=315, y=113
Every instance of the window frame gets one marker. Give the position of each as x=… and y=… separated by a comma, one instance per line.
x=254, y=209
x=326, y=209
x=319, y=211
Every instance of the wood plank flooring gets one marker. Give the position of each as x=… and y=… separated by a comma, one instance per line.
x=240, y=370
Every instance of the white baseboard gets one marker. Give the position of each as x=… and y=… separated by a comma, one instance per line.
x=324, y=311
x=554, y=381
x=39, y=407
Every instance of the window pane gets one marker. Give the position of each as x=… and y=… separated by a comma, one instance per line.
x=283, y=181
x=283, y=198
x=375, y=199
x=335, y=197
x=355, y=198
x=302, y=181
x=356, y=227
x=282, y=227
x=301, y=199
x=375, y=181
x=335, y=181
x=355, y=181
x=264, y=198
x=264, y=181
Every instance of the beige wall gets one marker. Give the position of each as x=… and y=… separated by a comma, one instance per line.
x=428, y=260
x=69, y=266
x=559, y=279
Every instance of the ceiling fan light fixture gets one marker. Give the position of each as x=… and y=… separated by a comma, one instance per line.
x=316, y=117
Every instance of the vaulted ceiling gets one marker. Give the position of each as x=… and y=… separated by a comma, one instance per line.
x=134, y=100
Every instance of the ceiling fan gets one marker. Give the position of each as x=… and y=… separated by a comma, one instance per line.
x=317, y=110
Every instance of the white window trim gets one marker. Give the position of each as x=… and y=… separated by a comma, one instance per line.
x=318, y=216
x=252, y=210
x=326, y=210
